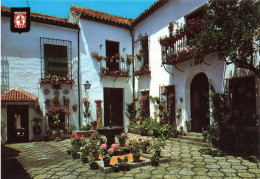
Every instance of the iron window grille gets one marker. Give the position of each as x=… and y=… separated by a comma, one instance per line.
x=56, y=58
x=167, y=98
x=142, y=53
x=143, y=104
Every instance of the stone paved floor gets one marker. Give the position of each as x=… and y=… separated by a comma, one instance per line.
x=50, y=160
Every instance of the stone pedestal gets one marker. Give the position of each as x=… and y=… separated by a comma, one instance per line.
x=99, y=113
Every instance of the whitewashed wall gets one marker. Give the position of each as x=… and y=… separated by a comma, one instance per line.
x=156, y=26
x=22, y=53
x=94, y=34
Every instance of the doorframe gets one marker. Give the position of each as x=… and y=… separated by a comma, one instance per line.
x=203, y=120
x=27, y=131
x=187, y=93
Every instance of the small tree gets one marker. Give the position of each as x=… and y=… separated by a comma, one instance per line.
x=231, y=32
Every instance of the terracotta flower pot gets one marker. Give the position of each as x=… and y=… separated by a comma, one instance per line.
x=136, y=157
x=116, y=169
x=125, y=167
x=106, y=162
x=84, y=160
x=93, y=166
x=95, y=155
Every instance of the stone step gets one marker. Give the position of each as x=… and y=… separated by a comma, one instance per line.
x=193, y=138
x=194, y=134
x=187, y=141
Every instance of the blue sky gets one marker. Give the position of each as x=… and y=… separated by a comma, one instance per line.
x=60, y=8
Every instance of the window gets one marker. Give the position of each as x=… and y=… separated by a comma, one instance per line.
x=167, y=100
x=112, y=48
x=144, y=104
x=56, y=57
x=144, y=49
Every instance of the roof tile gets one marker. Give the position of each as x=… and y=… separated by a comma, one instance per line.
x=43, y=18
x=18, y=95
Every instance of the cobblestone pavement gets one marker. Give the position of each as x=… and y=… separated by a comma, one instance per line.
x=50, y=160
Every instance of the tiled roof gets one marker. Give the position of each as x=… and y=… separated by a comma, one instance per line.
x=156, y=5
x=102, y=17
x=18, y=95
x=43, y=18
x=90, y=14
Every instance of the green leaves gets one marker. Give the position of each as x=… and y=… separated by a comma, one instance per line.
x=232, y=27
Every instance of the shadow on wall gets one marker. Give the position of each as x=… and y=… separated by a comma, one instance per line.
x=5, y=74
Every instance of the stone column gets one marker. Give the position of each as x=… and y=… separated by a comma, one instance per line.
x=99, y=113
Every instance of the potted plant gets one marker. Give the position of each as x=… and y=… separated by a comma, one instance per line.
x=157, y=145
x=156, y=129
x=93, y=147
x=123, y=164
x=122, y=139
x=36, y=123
x=167, y=129
x=55, y=100
x=47, y=101
x=204, y=134
x=84, y=152
x=66, y=101
x=92, y=163
x=135, y=148
x=145, y=143
x=145, y=126
x=106, y=154
x=129, y=59
x=116, y=168
x=74, y=107
x=170, y=27
x=155, y=160
x=74, y=151
x=188, y=125
x=69, y=150
x=138, y=56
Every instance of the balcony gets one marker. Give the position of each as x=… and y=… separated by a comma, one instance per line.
x=175, y=48
x=140, y=67
x=114, y=66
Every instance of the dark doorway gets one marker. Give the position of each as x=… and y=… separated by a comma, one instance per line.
x=199, y=102
x=113, y=106
x=17, y=123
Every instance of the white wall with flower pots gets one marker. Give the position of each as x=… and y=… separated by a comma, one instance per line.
x=93, y=36
x=22, y=57
x=156, y=26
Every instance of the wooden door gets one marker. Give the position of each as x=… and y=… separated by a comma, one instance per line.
x=113, y=106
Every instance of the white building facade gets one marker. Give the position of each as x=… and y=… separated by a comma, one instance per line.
x=104, y=45
x=27, y=61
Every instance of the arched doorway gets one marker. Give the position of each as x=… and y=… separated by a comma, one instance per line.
x=199, y=90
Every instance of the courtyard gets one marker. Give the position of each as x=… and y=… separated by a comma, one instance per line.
x=50, y=160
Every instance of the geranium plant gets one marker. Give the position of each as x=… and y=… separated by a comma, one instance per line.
x=106, y=153
x=122, y=138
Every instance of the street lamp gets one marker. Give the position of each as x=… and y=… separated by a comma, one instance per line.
x=87, y=85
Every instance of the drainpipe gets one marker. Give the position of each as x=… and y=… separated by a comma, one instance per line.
x=79, y=76
x=133, y=46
